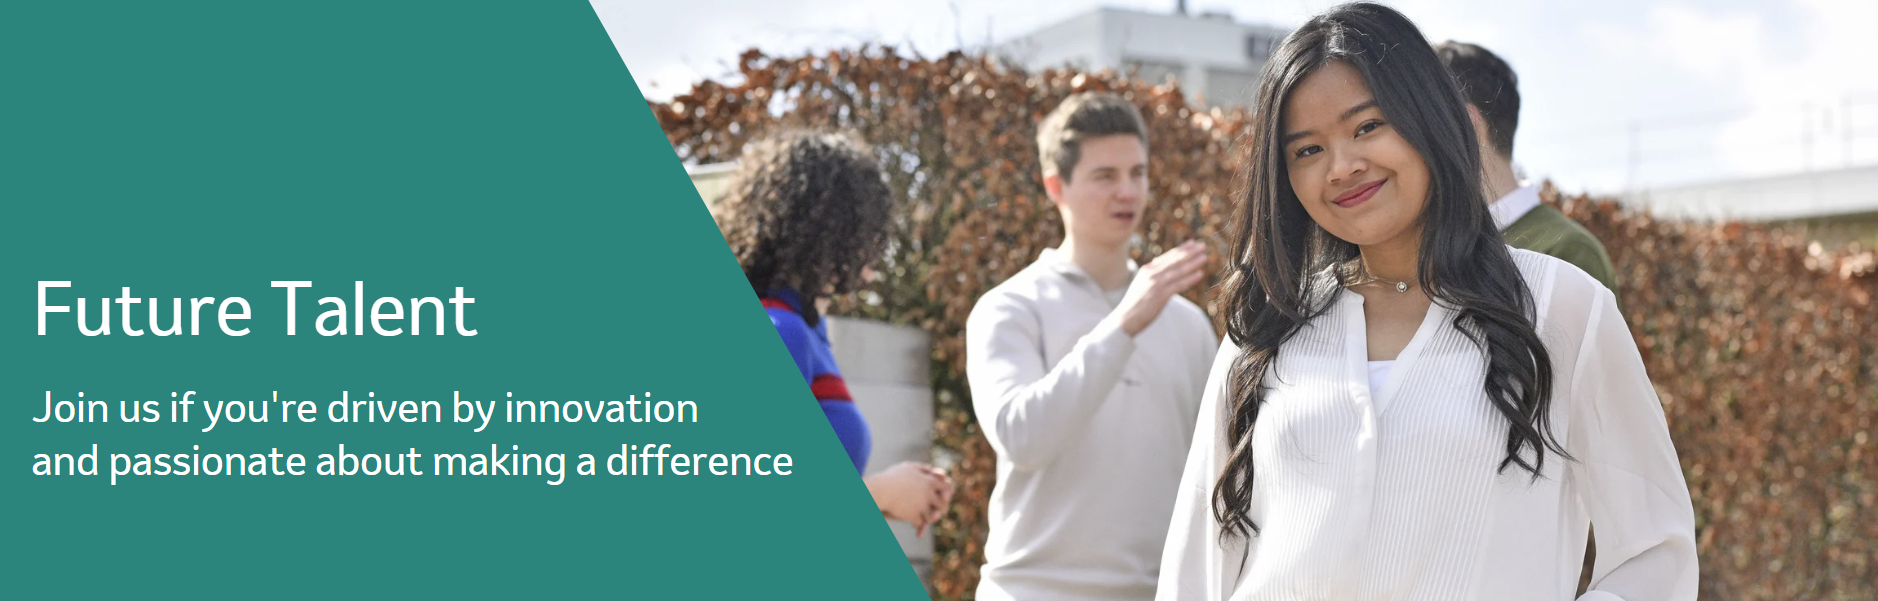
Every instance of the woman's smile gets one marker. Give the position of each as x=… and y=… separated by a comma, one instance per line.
x=1359, y=194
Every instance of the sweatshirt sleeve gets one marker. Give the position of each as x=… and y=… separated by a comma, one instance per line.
x=1630, y=480
x=1194, y=562
x=1029, y=409
x=1206, y=344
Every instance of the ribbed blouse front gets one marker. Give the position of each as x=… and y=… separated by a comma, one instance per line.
x=1394, y=493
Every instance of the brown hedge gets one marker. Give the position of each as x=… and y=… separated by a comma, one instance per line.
x=1761, y=345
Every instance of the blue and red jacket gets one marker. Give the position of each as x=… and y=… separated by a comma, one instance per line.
x=809, y=347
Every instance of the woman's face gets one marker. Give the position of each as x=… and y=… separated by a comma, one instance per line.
x=1356, y=176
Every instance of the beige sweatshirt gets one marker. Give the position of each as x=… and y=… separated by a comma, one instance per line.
x=1091, y=427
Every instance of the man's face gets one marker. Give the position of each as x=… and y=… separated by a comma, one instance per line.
x=1103, y=197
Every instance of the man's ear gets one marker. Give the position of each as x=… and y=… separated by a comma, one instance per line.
x=1480, y=125
x=1053, y=187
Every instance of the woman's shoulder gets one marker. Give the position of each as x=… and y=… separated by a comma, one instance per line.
x=1551, y=277
x=1220, y=374
x=1565, y=297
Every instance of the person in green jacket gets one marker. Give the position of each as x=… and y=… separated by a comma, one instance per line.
x=1492, y=91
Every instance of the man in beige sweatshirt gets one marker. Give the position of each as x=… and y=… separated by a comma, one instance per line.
x=1086, y=374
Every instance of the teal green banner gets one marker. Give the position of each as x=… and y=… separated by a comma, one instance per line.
x=385, y=300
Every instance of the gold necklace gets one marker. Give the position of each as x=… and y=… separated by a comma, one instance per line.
x=1360, y=270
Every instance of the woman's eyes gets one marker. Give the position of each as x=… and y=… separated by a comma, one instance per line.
x=1365, y=128
x=1362, y=130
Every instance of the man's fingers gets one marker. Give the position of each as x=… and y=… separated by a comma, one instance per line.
x=1177, y=283
x=1192, y=251
x=1178, y=254
x=1187, y=279
x=1180, y=277
x=1191, y=280
x=1195, y=263
x=1163, y=263
x=1197, y=259
x=1176, y=271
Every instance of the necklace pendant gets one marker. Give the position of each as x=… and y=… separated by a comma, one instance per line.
x=1401, y=286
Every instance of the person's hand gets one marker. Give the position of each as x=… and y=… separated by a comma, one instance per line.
x=945, y=501
x=1167, y=275
x=911, y=492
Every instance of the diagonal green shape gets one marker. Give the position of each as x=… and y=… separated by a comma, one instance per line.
x=191, y=150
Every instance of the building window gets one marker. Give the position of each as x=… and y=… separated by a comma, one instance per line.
x=1257, y=47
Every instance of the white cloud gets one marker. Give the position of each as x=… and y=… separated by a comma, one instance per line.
x=1788, y=95
x=1712, y=47
x=1796, y=122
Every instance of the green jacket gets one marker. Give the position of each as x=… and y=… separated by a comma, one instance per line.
x=1545, y=230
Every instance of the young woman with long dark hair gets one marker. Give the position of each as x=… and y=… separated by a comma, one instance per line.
x=1406, y=408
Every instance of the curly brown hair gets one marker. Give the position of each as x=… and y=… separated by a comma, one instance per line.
x=807, y=211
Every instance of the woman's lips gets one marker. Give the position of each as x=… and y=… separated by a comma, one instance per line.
x=1358, y=196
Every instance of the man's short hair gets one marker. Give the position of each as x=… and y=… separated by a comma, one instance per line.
x=1080, y=117
x=1490, y=85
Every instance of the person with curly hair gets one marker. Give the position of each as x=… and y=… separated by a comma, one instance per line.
x=806, y=214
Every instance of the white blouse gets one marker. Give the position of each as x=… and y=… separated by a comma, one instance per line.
x=1395, y=494
x=1378, y=374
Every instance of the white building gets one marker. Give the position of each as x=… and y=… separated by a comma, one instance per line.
x=1212, y=56
x=1839, y=205
x=1813, y=194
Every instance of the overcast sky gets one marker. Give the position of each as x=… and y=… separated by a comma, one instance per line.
x=1716, y=89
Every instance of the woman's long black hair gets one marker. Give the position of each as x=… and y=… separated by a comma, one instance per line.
x=1280, y=252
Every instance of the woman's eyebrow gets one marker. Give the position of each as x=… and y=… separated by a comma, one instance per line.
x=1360, y=107
x=1365, y=105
